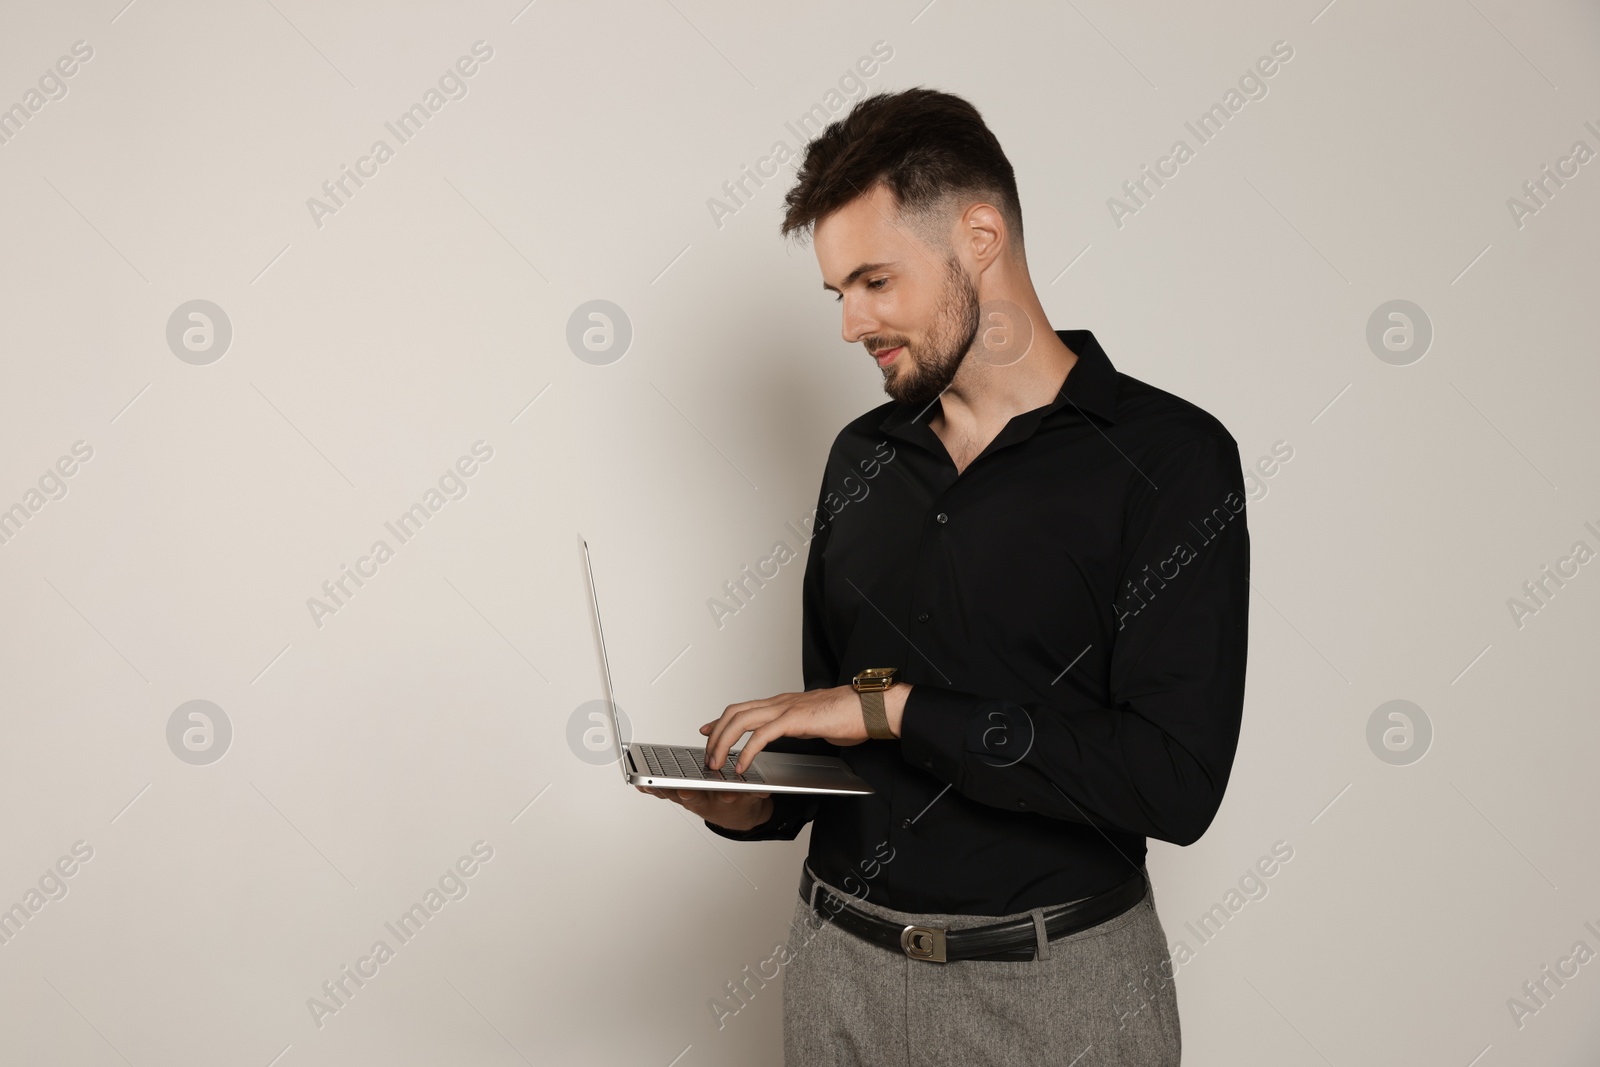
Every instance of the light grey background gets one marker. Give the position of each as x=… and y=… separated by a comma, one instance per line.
x=430, y=312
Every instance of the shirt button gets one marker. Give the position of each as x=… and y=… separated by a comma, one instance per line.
x=927, y=763
x=923, y=617
x=942, y=517
x=905, y=824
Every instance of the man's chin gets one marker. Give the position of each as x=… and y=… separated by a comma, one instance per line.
x=906, y=386
x=908, y=396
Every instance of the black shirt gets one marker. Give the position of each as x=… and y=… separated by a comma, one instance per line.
x=1071, y=611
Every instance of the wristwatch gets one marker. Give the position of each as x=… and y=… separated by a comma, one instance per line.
x=870, y=685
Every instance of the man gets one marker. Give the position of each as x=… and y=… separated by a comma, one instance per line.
x=1053, y=558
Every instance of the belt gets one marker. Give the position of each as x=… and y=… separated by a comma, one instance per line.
x=1013, y=940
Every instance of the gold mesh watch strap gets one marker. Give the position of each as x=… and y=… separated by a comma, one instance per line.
x=872, y=710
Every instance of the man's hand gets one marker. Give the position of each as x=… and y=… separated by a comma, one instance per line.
x=732, y=809
x=831, y=714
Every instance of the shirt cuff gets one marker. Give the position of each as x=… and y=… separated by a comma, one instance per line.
x=790, y=813
x=939, y=727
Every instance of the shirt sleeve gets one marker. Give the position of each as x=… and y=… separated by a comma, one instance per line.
x=1156, y=760
x=819, y=667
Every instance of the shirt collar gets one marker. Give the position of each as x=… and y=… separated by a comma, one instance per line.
x=1091, y=387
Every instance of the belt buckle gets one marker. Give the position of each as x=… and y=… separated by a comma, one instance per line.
x=923, y=943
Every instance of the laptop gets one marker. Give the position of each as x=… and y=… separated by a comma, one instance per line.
x=684, y=766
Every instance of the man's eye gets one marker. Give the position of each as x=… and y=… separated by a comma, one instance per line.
x=875, y=284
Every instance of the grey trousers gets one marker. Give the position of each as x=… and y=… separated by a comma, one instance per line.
x=1101, y=997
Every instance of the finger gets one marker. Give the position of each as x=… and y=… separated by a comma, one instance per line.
x=716, y=747
x=677, y=796
x=745, y=722
x=784, y=725
x=746, y=705
x=695, y=801
x=778, y=727
x=723, y=798
x=727, y=734
x=715, y=744
x=717, y=731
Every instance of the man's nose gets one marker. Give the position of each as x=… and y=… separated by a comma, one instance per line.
x=855, y=323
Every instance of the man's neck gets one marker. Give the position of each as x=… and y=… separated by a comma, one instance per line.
x=983, y=398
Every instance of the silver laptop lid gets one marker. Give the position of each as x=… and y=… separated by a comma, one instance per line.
x=611, y=697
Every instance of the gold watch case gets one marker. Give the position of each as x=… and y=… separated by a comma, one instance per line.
x=874, y=679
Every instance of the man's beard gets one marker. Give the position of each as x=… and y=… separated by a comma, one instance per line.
x=955, y=327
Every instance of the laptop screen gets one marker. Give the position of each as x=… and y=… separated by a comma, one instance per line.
x=605, y=661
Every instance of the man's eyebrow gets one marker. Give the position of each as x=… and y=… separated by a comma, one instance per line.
x=858, y=272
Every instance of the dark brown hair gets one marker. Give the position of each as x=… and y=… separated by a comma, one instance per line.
x=929, y=148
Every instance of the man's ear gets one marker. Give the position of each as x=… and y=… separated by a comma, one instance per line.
x=982, y=233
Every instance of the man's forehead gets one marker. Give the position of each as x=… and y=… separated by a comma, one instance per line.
x=863, y=235
x=877, y=204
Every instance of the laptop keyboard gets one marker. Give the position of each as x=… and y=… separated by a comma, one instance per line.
x=681, y=761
